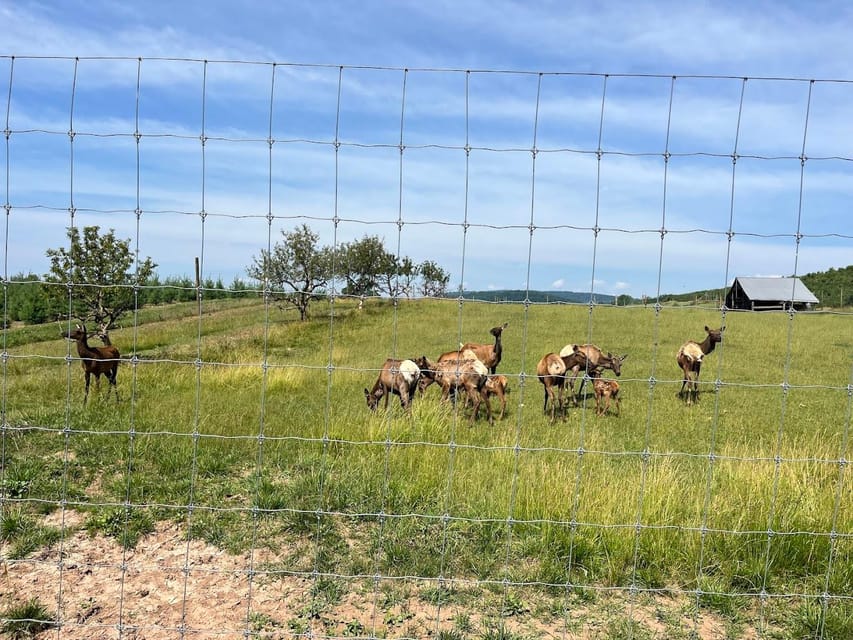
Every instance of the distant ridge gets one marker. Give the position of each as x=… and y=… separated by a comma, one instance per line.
x=519, y=295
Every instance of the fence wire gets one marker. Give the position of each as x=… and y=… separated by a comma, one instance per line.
x=34, y=117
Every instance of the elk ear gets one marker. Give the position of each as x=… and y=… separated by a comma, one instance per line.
x=623, y=358
x=707, y=330
x=366, y=393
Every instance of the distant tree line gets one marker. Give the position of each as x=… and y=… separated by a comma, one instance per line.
x=28, y=300
x=833, y=287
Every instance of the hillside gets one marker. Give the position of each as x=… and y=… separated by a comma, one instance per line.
x=833, y=287
x=518, y=295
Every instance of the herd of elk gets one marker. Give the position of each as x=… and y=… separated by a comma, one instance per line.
x=471, y=369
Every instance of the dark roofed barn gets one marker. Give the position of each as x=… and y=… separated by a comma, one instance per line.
x=759, y=294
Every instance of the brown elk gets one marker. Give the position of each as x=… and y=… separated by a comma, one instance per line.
x=468, y=374
x=397, y=377
x=104, y=334
x=590, y=359
x=498, y=385
x=95, y=360
x=690, y=357
x=489, y=354
x=605, y=390
x=551, y=371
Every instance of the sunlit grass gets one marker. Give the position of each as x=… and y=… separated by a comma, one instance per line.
x=742, y=490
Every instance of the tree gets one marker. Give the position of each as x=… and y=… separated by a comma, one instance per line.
x=407, y=273
x=367, y=267
x=25, y=299
x=295, y=270
x=434, y=279
x=100, y=274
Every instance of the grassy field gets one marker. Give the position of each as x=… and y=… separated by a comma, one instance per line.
x=740, y=504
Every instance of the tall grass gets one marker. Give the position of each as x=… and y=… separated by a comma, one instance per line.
x=742, y=493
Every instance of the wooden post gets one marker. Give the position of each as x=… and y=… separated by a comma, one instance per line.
x=198, y=285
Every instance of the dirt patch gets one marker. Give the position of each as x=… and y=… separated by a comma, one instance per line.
x=168, y=586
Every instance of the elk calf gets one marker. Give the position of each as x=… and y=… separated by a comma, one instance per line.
x=498, y=385
x=398, y=377
x=605, y=390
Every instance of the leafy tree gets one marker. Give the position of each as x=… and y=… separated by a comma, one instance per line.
x=407, y=274
x=99, y=272
x=434, y=279
x=367, y=267
x=295, y=270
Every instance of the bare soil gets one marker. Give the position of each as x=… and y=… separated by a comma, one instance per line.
x=169, y=587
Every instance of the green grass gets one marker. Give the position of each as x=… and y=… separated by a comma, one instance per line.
x=25, y=620
x=265, y=425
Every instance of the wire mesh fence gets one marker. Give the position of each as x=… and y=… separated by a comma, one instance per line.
x=238, y=486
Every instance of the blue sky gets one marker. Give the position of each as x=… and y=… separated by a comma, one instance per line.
x=569, y=78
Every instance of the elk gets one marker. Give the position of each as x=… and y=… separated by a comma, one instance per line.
x=551, y=371
x=605, y=390
x=95, y=360
x=690, y=357
x=488, y=354
x=104, y=334
x=397, y=377
x=498, y=385
x=451, y=375
x=592, y=360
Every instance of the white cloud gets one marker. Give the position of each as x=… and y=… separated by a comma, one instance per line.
x=629, y=193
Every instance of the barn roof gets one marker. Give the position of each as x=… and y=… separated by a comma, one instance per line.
x=776, y=289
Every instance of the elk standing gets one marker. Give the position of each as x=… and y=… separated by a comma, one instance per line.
x=465, y=373
x=690, y=357
x=498, y=385
x=551, y=371
x=605, y=390
x=95, y=360
x=489, y=354
x=592, y=360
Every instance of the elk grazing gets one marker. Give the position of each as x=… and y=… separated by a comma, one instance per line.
x=605, y=390
x=464, y=373
x=551, y=372
x=591, y=360
x=95, y=360
x=690, y=357
x=397, y=377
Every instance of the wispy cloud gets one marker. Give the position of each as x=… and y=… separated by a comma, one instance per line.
x=336, y=134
